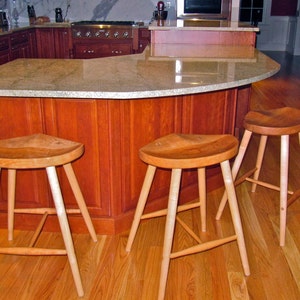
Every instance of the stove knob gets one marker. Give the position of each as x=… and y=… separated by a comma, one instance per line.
x=107, y=34
x=116, y=34
x=78, y=33
x=125, y=34
x=97, y=34
x=88, y=34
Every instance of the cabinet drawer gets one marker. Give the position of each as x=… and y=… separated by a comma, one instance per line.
x=4, y=43
x=91, y=50
x=19, y=38
x=101, y=49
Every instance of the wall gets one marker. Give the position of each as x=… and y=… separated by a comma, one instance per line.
x=278, y=33
x=125, y=10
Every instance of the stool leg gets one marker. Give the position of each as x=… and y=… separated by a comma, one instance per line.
x=232, y=200
x=235, y=168
x=284, y=166
x=202, y=197
x=260, y=156
x=141, y=205
x=11, y=194
x=80, y=200
x=169, y=230
x=64, y=225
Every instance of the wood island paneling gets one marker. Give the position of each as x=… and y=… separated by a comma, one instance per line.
x=110, y=172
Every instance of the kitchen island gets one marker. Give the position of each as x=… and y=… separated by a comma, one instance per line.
x=115, y=106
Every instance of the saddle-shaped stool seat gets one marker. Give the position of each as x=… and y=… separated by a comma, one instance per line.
x=281, y=122
x=43, y=151
x=188, y=151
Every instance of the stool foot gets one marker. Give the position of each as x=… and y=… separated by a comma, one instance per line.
x=65, y=229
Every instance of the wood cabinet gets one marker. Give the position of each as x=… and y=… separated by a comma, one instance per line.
x=101, y=48
x=62, y=43
x=144, y=39
x=54, y=43
x=19, y=45
x=4, y=49
x=110, y=172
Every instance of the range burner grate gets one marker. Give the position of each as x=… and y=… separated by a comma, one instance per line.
x=91, y=23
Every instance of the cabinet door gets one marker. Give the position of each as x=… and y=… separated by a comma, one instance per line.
x=63, y=42
x=91, y=50
x=32, y=43
x=45, y=43
x=120, y=49
x=4, y=50
x=144, y=39
x=19, y=45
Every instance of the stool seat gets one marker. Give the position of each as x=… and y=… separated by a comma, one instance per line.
x=44, y=151
x=279, y=121
x=38, y=151
x=177, y=152
x=189, y=151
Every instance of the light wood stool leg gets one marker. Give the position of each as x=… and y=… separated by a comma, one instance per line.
x=235, y=168
x=260, y=156
x=202, y=197
x=141, y=205
x=65, y=229
x=80, y=200
x=232, y=200
x=11, y=202
x=284, y=166
x=169, y=230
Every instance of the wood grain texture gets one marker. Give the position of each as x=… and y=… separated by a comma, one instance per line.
x=109, y=273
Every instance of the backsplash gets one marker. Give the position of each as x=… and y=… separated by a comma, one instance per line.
x=77, y=10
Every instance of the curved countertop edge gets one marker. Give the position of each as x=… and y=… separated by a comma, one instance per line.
x=134, y=94
x=24, y=77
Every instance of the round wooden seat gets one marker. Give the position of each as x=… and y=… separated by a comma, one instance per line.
x=182, y=151
x=38, y=151
x=44, y=151
x=279, y=121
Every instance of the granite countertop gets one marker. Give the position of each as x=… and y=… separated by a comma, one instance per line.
x=161, y=70
x=205, y=25
x=26, y=25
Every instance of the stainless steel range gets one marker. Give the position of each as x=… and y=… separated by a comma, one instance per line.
x=92, y=39
x=103, y=29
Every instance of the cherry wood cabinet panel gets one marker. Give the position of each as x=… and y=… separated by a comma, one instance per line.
x=110, y=172
x=85, y=49
x=63, y=42
x=19, y=45
x=54, y=43
x=144, y=39
x=45, y=43
x=21, y=117
x=4, y=49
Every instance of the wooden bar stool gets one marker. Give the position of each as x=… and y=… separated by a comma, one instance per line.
x=44, y=151
x=186, y=151
x=281, y=122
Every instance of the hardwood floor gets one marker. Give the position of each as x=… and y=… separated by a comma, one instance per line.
x=108, y=272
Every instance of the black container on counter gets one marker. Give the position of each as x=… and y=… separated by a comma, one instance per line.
x=58, y=15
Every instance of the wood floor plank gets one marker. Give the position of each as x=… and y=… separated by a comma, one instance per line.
x=109, y=273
